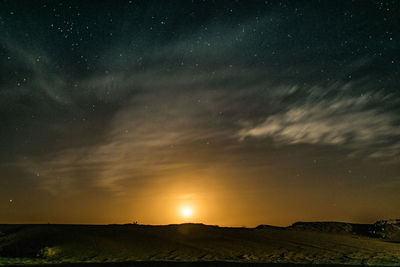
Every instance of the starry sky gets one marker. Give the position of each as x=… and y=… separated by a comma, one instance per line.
x=251, y=112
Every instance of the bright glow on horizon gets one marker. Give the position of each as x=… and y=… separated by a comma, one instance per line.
x=187, y=212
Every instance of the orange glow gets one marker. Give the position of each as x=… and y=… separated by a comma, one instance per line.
x=187, y=212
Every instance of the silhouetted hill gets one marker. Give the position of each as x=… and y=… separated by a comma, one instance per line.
x=301, y=243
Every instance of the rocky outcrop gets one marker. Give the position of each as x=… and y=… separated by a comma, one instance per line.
x=385, y=229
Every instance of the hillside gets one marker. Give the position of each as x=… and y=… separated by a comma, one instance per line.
x=315, y=243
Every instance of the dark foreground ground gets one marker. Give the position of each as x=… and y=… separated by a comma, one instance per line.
x=302, y=244
x=186, y=264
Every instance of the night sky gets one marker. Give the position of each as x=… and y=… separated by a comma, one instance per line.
x=248, y=112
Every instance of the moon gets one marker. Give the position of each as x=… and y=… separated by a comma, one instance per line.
x=187, y=212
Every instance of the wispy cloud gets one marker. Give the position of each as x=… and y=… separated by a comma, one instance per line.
x=151, y=136
x=343, y=119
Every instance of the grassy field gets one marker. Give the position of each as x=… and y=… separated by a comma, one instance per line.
x=138, y=245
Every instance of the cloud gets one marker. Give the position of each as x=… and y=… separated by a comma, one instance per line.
x=158, y=129
x=153, y=135
x=37, y=70
x=351, y=121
